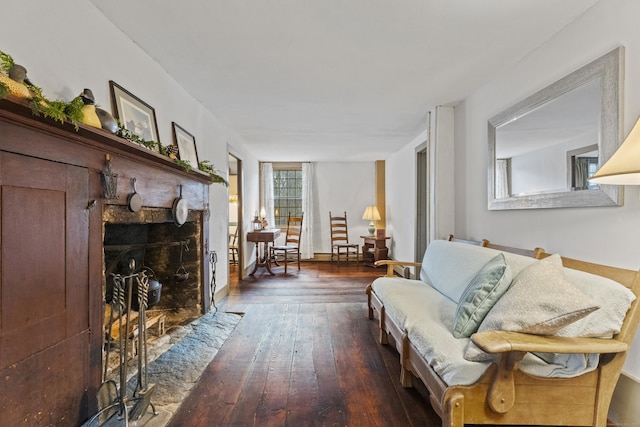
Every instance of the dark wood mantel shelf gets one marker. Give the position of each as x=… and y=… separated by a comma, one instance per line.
x=18, y=110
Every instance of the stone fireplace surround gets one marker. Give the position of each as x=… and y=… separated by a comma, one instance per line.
x=52, y=289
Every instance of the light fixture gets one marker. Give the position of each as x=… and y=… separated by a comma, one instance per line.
x=233, y=198
x=371, y=214
x=263, y=217
x=257, y=223
x=623, y=167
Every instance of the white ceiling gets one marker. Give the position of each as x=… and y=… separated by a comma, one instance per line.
x=331, y=80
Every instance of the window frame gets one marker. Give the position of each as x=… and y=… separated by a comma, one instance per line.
x=296, y=209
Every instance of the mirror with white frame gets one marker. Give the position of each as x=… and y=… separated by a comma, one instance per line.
x=543, y=149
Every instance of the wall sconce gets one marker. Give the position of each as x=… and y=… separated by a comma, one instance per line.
x=233, y=198
x=109, y=180
x=371, y=214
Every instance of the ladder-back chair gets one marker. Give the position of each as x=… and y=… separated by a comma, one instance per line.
x=233, y=247
x=290, y=251
x=340, y=239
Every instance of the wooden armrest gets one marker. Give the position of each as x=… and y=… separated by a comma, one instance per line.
x=390, y=264
x=510, y=348
x=502, y=341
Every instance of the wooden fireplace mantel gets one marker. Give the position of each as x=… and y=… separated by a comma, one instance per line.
x=18, y=111
x=51, y=248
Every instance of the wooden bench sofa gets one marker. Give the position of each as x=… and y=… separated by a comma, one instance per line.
x=505, y=392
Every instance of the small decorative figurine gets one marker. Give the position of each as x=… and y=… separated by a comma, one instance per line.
x=107, y=121
x=89, y=115
x=15, y=81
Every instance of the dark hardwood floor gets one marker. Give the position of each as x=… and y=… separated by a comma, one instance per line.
x=304, y=354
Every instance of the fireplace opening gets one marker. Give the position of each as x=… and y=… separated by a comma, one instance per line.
x=149, y=239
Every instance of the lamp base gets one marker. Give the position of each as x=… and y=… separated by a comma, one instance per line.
x=372, y=228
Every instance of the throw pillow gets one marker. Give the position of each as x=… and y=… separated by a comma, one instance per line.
x=482, y=292
x=539, y=301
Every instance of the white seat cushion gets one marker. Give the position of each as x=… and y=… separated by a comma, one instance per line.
x=427, y=317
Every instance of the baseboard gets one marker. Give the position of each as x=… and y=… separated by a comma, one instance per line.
x=321, y=257
x=624, y=410
x=326, y=257
x=220, y=294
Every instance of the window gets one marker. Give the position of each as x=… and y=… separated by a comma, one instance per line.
x=287, y=193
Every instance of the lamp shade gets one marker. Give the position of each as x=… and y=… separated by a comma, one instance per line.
x=371, y=214
x=623, y=168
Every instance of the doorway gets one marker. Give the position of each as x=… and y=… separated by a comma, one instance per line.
x=235, y=250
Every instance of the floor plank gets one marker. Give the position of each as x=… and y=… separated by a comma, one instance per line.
x=304, y=354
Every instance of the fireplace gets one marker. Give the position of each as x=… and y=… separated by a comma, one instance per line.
x=169, y=253
x=57, y=216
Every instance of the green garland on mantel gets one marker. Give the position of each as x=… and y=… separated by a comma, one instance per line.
x=62, y=111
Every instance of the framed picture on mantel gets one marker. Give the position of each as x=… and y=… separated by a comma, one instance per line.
x=186, y=145
x=134, y=114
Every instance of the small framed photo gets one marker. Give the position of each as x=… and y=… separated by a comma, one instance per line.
x=186, y=144
x=134, y=114
x=380, y=233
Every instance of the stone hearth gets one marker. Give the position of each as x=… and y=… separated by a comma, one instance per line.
x=176, y=362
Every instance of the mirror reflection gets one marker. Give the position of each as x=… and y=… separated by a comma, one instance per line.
x=551, y=148
x=543, y=149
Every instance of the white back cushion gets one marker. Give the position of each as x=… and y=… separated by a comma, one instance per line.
x=449, y=266
x=614, y=300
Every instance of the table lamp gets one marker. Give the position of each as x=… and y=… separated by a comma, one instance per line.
x=263, y=217
x=371, y=214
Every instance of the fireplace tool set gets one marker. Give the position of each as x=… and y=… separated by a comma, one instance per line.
x=113, y=401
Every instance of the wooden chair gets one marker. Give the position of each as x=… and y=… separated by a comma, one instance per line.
x=290, y=251
x=233, y=247
x=340, y=239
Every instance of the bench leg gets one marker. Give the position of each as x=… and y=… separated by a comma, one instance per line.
x=406, y=379
x=384, y=339
x=453, y=414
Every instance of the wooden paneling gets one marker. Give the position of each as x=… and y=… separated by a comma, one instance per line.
x=44, y=310
x=47, y=389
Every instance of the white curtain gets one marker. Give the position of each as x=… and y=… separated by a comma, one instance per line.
x=502, y=178
x=266, y=193
x=308, y=178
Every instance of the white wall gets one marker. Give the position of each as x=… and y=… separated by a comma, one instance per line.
x=400, y=188
x=67, y=45
x=340, y=187
x=605, y=235
x=545, y=169
x=401, y=185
